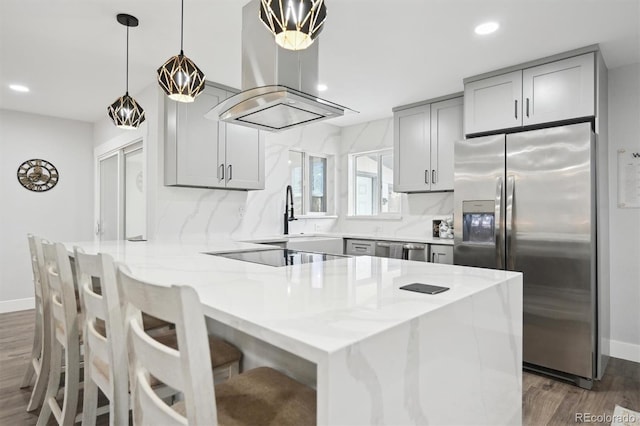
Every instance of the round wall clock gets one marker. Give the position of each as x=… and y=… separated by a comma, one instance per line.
x=37, y=175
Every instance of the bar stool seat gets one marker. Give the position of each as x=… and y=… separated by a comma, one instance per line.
x=222, y=353
x=262, y=396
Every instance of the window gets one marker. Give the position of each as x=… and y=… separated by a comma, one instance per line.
x=371, y=184
x=310, y=181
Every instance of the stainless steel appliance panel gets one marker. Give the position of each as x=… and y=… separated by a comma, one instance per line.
x=479, y=180
x=550, y=224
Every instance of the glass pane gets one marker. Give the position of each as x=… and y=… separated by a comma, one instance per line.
x=389, y=200
x=109, y=198
x=366, y=191
x=134, y=205
x=318, y=184
x=295, y=172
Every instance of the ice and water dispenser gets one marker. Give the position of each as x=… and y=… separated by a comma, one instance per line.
x=478, y=221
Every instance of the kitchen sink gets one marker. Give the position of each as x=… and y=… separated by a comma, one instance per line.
x=279, y=257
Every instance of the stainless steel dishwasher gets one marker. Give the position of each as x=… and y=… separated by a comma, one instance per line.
x=401, y=250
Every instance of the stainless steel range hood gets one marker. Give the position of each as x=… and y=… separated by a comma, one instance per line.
x=279, y=86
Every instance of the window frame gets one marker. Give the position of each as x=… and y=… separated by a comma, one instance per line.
x=352, y=189
x=306, y=185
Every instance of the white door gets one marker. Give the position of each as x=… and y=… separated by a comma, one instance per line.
x=560, y=90
x=134, y=194
x=446, y=129
x=109, y=198
x=493, y=103
x=412, y=162
x=121, y=195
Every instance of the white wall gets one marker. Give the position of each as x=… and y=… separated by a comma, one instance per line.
x=195, y=214
x=418, y=210
x=624, y=132
x=62, y=213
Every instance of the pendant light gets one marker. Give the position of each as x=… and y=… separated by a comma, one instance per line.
x=179, y=77
x=125, y=112
x=294, y=23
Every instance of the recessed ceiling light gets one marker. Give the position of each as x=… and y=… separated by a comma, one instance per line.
x=487, y=28
x=322, y=87
x=19, y=88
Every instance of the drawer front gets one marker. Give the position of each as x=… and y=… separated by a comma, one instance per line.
x=360, y=247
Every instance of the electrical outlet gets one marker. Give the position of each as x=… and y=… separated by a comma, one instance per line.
x=241, y=211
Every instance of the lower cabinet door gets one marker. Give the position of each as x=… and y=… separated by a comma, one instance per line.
x=441, y=254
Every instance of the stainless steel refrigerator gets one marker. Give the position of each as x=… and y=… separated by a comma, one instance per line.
x=527, y=202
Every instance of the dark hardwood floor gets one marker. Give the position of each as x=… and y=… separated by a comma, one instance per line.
x=545, y=401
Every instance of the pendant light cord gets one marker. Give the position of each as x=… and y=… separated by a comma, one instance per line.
x=127, y=74
x=181, y=27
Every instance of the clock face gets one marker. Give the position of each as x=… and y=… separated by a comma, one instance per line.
x=37, y=175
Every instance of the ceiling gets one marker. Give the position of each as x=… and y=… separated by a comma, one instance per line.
x=374, y=54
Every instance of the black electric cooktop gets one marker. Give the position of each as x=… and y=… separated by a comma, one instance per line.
x=279, y=257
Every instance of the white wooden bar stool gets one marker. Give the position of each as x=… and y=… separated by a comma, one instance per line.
x=261, y=396
x=65, y=337
x=104, y=346
x=40, y=353
x=105, y=357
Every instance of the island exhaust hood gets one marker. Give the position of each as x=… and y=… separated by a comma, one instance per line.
x=279, y=86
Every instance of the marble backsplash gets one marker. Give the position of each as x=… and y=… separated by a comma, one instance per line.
x=194, y=214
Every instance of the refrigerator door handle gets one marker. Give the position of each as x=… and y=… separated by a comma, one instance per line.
x=511, y=258
x=498, y=234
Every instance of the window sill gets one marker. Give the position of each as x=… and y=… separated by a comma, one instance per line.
x=312, y=216
x=386, y=217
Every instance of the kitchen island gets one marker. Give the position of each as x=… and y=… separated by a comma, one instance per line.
x=375, y=353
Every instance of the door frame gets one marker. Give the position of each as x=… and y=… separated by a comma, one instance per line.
x=108, y=149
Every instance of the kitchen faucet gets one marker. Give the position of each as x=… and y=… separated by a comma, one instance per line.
x=288, y=207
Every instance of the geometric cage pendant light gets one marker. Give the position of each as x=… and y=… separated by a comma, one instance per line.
x=125, y=112
x=179, y=77
x=294, y=23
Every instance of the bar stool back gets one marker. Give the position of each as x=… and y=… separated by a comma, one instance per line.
x=65, y=337
x=149, y=358
x=40, y=353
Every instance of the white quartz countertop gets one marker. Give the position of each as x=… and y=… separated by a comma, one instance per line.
x=310, y=310
x=284, y=238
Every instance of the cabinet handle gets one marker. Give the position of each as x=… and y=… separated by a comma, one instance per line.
x=433, y=258
x=230, y=172
x=527, y=107
x=221, y=172
x=433, y=176
x=426, y=176
x=516, y=109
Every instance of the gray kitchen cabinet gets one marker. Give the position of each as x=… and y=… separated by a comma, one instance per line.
x=424, y=134
x=446, y=129
x=205, y=153
x=560, y=90
x=493, y=103
x=441, y=254
x=543, y=92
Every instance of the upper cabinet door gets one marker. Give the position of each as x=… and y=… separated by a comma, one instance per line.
x=560, y=90
x=446, y=129
x=244, y=158
x=493, y=103
x=411, y=157
x=192, y=141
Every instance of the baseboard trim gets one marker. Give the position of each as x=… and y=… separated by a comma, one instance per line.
x=17, y=305
x=625, y=350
